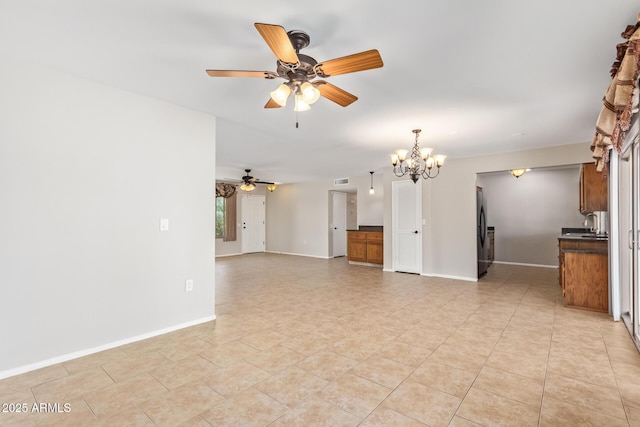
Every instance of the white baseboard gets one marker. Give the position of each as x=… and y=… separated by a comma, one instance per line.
x=65, y=357
x=448, y=276
x=525, y=264
x=293, y=254
x=224, y=255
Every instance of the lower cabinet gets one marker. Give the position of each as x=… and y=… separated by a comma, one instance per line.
x=584, y=274
x=365, y=246
x=586, y=280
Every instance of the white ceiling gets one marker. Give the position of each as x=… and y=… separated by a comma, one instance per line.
x=477, y=76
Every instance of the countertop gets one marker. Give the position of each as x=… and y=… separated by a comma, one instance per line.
x=367, y=228
x=581, y=234
x=584, y=237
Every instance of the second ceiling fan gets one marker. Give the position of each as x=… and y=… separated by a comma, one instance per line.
x=300, y=70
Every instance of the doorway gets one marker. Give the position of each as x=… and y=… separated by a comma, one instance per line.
x=406, y=223
x=338, y=223
x=253, y=223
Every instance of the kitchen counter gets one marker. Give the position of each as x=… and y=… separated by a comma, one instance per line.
x=365, y=246
x=581, y=234
x=584, y=276
x=592, y=237
x=367, y=228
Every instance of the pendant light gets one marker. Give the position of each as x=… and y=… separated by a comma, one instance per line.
x=371, y=190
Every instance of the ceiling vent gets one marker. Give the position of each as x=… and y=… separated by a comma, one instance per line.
x=341, y=181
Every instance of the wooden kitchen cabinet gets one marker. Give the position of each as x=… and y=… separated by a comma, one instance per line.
x=365, y=246
x=357, y=246
x=593, y=189
x=584, y=273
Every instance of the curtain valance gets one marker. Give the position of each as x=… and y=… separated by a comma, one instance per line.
x=225, y=190
x=620, y=99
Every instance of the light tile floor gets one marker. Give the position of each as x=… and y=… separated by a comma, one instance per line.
x=311, y=342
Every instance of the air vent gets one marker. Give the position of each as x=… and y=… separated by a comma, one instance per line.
x=341, y=181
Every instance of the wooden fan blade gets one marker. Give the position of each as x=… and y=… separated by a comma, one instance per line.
x=335, y=94
x=278, y=40
x=241, y=73
x=352, y=63
x=272, y=104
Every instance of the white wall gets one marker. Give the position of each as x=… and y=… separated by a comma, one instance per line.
x=370, y=206
x=86, y=173
x=352, y=211
x=449, y=206
x=298, y=219
x=529, y=212
x=298, y=214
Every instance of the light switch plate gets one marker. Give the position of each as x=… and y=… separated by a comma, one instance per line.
x=188, y=285
x=164, y=224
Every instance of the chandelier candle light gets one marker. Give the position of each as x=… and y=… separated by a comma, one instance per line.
x=420, y=163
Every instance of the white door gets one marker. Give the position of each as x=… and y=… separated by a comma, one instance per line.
x=253, y=227
x=406, y=226
x=339, y=224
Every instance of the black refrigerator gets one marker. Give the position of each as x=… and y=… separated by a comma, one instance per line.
x=483, y=237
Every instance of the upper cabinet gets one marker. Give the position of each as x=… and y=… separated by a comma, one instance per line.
x=593, y=189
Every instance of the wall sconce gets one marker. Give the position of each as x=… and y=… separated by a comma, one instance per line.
x=272, y=187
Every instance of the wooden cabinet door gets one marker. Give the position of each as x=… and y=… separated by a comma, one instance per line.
x=374, y=251
x=586, y=276
x=593, y=189
x=357, y=250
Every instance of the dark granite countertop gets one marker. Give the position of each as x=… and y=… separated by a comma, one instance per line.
x=367, y=228
x=573, y=233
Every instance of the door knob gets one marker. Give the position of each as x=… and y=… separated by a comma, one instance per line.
x=335, y=228
x=415, y=232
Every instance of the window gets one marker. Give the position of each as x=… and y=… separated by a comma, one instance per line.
x=226, y=218
x=220, y=217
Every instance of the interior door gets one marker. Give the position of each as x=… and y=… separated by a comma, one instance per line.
x=253, y=224
x=339, y=224
x=407, y=226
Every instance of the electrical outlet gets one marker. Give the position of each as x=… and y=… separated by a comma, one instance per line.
x=188, y=285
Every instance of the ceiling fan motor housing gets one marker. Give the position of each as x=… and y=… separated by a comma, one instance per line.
x=304, y=72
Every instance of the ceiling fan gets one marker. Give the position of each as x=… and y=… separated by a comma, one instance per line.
x=249, y=182
x=300, y=70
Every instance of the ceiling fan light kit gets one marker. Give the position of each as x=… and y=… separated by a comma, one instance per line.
x=247, y=187
x=419, y=164
x=299, y=70
x=249, y=183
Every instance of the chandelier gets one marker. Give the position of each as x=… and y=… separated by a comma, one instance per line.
x=420, y=163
